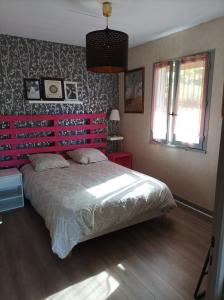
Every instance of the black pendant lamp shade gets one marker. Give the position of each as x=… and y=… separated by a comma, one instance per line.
x=107, y=50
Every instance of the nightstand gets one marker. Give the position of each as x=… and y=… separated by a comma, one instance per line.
x=121, y=158
x=11, y=189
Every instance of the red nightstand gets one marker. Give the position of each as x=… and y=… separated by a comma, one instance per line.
x=121, y=158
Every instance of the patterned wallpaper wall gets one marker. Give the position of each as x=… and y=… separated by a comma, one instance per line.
x=28, y=58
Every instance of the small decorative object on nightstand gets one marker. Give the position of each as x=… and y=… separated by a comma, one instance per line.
x=11, y=189
x=115, y=142
x=121, y=158
x=115, y=138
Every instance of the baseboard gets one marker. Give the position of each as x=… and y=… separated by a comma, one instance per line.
x=194, y=206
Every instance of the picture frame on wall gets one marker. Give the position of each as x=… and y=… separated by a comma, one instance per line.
x=71, y=91
x=134, y=91
x=32, y=89
x=52, y=89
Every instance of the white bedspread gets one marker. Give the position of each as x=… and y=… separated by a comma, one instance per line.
x=82, y=200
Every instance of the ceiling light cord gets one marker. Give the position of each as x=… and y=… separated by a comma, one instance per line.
x=107, y=11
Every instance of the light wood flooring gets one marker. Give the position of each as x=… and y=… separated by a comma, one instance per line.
x=159, y=259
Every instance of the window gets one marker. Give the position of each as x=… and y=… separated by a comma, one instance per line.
x=180, y=101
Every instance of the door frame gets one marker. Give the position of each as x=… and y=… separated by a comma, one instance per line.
x=216, y=268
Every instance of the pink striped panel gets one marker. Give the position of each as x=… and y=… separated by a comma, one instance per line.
x=87, y=139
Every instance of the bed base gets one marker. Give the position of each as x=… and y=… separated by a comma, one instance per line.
x=143, y=218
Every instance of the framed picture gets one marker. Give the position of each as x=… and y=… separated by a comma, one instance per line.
x=52, y=89
x=134, y=91
x=71, y=90
x=32, y=89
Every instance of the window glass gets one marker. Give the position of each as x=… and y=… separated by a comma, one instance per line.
x=179, y=101
x=190, y=100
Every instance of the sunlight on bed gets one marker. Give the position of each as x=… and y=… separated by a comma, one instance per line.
x=111, y=185
x=98, y=287
x=143, y=189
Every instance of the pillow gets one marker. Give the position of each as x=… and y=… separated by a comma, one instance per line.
x=45, y=161
x=87, y=155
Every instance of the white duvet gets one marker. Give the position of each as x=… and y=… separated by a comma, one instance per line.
x=82, y=200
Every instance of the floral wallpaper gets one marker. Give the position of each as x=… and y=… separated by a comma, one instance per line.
x=28, y=58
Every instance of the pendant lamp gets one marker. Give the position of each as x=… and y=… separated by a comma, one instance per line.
x=107, y=50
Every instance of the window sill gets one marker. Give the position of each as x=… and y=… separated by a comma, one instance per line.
x=179, y=147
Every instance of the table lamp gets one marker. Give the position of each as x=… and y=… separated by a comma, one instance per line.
x=114, y=117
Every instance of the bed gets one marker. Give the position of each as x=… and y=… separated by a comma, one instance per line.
x=84, y=201
x=81, y=202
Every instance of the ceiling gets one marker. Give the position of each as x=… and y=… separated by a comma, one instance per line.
x=68, y=21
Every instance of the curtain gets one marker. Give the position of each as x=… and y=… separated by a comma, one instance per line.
x=160, y=96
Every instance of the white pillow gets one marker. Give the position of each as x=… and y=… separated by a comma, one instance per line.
x=45, y=161
x=87, y=155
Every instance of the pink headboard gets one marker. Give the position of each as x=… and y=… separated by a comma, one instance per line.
x=18, y=131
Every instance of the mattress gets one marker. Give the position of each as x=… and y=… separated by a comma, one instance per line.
x=84, y=201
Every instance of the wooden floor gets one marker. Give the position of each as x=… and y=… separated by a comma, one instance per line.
x=158, y=259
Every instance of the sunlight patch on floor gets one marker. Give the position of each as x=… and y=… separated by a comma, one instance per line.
x=120, y=266
x=98, y=287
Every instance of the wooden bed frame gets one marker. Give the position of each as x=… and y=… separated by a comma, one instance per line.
x=89, y=130
x=16, y=140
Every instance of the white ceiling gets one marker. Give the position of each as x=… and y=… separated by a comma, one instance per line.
x=143, y=20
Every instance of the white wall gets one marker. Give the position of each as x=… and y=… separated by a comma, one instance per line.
x=190, y=175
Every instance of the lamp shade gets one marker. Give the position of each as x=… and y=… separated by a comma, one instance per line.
x=106, y=51
x=114, y=115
